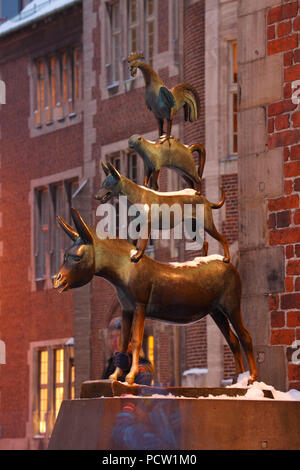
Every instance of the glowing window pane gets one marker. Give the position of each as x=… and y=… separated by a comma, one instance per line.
x=44, y=367
x=151, y=349
x=59, y=366
x=59, y=395
x=43, y=409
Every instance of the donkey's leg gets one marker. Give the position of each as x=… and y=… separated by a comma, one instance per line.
x=235, y=319
x=127, y=317
x=233, y=342
x=136, y=341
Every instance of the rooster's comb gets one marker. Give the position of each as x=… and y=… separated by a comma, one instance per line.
x=135, y=56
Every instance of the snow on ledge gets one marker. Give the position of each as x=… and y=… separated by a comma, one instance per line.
x=34, y=11
x=254, y=392
x=195, y=371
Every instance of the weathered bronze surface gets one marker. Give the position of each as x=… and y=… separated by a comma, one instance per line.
x=165, y=103
x=177, y=156
x=175, y=293
x=116, y=184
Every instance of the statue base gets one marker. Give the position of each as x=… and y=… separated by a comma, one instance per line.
x=112, y=415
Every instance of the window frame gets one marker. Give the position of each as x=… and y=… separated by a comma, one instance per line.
x=53, y=240
x=56, y=89
x=149, y=18
x=43, y=426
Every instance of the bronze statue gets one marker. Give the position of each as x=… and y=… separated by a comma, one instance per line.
x=177, y=156
x=165, y=103
x=116, y=184
x=180, y=292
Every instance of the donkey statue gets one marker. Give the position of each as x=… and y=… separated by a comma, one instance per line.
x=176, y=292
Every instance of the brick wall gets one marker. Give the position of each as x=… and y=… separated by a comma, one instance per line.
x=230, y=227
x=283, y=26
x=27, y=316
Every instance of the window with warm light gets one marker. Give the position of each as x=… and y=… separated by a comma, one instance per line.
x=55, y=382
x=59, y=380
x=56, y=87
x=43, y=390
x=150, y=349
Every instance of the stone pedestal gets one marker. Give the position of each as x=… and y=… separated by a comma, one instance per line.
x=165, y=422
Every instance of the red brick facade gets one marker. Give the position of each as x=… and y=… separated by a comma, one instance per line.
x=284, y=222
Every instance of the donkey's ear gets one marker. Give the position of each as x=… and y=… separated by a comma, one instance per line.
x=114, y=172
x=67, y=228
x=105, y=168
x=83, y=230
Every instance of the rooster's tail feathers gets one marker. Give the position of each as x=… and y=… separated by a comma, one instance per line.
x=192, y=102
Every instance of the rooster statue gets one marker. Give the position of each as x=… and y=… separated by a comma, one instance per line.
x=165, y=103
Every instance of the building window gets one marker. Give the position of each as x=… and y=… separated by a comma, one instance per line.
x=132, y=169
x=150, y=349
x=59, y=380
x=115, y=41
x=149, y=31
x=56, y=87
x=175, y=31
x=55, y=382
x=43, y=390
x=49, y=202
x=233, y=100
x=136, y=34
x=132, y=16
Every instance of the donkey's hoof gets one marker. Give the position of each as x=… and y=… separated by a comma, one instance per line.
x=130, y=379
x=252, y=379
x=113, y=377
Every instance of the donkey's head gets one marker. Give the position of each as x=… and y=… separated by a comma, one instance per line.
x=78, y=265
x=111, y=185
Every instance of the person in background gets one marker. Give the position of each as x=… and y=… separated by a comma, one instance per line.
x=123, y=360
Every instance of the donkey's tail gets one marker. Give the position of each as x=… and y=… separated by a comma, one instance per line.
x=218, y=205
